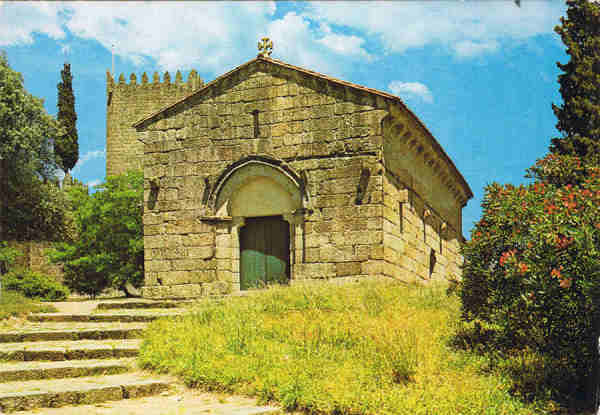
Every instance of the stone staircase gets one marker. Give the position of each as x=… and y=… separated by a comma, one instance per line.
x=84, y=363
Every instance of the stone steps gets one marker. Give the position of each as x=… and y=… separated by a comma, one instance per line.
x=82, y=363
x=112, y=317
x=20, y=396
x=23, y=371
x=132, y=332
x=69, y=350
x=168, y=403
x=112, y=305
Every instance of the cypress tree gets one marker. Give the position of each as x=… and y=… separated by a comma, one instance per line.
x=66, y=146
x=579, y=115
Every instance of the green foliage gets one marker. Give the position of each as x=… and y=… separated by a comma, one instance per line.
x=7, y=256
x=34, y=211
x=579, y=116
x=34, y=285
x=109, y=249
x=532, y=267
x=66, y=146
x=15, y=304
x=27, y=163
x=368, y=348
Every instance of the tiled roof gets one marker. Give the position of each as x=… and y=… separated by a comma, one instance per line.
x=387, y=95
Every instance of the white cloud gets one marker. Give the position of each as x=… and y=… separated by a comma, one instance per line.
x=411, y=89
x=90, y=155
x=19, y=21
x=319, y=49
x=468, y=48
x=211, y=37
x=464, y=28
x=345, y=45
x=178, y=35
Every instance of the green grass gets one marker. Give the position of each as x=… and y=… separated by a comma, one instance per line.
x=14, y=304
x=368, y=348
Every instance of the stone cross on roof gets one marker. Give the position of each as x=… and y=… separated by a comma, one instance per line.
x=265, y=47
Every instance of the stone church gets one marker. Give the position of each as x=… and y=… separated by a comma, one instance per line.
x=276, y=173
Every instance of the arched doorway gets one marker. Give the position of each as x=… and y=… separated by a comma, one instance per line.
x=264, y=202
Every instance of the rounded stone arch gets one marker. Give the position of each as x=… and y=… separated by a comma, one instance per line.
x=250, y=191
x=258, y=186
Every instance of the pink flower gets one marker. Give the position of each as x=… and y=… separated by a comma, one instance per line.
x=523, y=268
x=566, y=282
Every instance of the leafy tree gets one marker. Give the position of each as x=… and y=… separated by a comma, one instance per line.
x=27, y=162
x=66, y=146
x=579, y=115
x=109, y=249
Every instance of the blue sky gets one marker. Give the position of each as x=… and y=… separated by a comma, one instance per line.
x=480, y=74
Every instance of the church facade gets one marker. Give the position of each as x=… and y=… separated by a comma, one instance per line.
x=275, y=173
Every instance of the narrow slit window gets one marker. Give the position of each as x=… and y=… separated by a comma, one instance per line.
x=401, y=216
x=424, y=229
x=255, y=116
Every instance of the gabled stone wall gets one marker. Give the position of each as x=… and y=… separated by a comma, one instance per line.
x=327, y=136
x=340, y=145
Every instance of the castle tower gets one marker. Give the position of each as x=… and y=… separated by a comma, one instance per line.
x=127, y=103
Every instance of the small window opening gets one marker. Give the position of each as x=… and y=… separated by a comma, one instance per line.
x=432, y=262
x=255, y=115
x=401, y=216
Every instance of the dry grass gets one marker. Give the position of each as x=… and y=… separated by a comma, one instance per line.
x=368, y=348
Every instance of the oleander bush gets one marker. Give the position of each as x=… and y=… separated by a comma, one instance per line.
x=532, y=268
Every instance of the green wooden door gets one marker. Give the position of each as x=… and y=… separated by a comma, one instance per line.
x=264, y=252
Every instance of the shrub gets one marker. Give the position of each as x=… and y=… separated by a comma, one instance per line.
x=109, y=248
x=34, y=285
x=532, y=267
x=8, y=255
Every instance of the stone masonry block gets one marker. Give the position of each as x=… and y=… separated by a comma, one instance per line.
x=347, y=268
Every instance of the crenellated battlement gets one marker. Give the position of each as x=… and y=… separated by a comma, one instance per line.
x=128, y=102
x=193, y=81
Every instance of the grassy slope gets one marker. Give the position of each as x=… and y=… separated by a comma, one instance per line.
x=13, y=304
x=369, y=348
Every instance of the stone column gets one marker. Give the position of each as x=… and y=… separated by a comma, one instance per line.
x=237, y=224
x=296, y=221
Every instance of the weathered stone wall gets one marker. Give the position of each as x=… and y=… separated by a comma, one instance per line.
x=34, y=257
x=126, y=104
x=419, y=244
x=356, y=153
x=423, y=203
x=328, y=135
